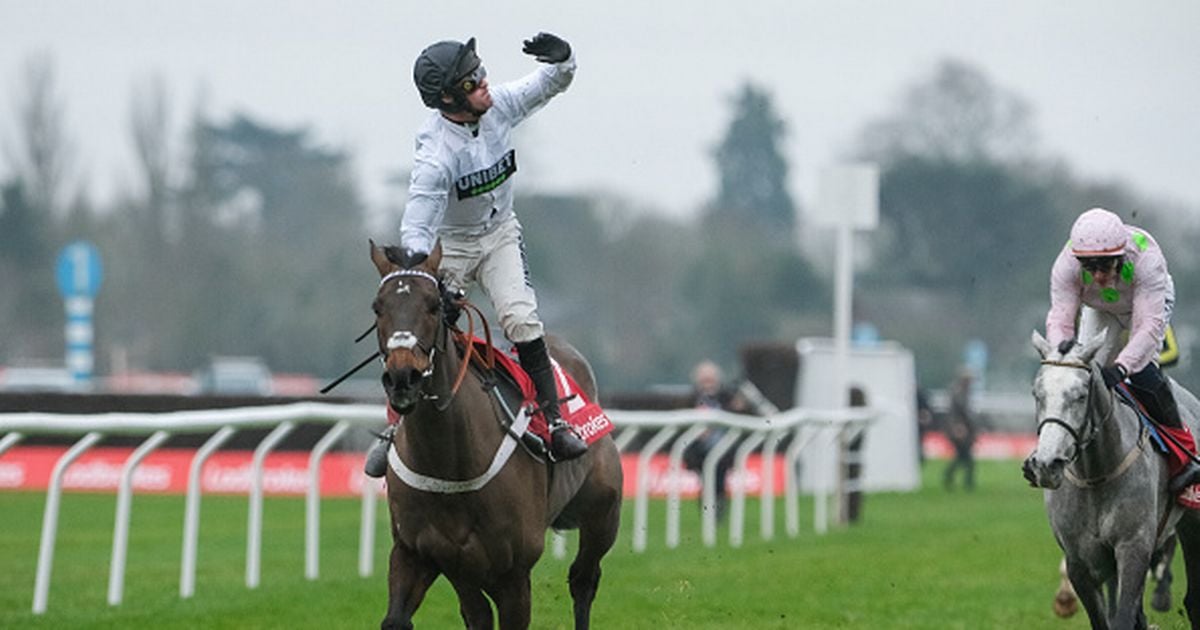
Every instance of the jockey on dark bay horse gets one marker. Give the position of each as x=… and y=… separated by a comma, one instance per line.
x=1117, y=275
x=461, y=194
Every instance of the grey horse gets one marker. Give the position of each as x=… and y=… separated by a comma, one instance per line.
x=1113, y=510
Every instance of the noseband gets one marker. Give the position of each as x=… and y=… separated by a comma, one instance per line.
x=1083, y=442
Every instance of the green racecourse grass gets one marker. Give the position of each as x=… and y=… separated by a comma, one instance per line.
x=928, y=559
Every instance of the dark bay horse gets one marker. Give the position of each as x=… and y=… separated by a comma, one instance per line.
x=466, y=501
x=1114, y=510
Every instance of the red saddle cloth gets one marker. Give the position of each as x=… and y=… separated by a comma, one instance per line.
x=585, y=416
x=1177, y=458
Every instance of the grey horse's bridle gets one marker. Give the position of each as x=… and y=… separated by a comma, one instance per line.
x=1083, y=442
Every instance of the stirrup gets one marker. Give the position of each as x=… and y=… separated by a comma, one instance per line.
x=377, y=458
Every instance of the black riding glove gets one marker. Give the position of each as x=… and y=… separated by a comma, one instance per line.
x=547, y=48
x=452, y=304
x=1113, y=374
x=1065, y=346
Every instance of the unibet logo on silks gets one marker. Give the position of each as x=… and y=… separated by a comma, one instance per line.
x=488, y=179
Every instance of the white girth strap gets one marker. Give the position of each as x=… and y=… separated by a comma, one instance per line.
x=416, y=480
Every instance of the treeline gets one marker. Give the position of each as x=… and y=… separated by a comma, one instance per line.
x=255, y=243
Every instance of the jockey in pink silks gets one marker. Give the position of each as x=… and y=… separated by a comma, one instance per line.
x=1114, y=277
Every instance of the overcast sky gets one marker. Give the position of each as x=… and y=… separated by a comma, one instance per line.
x=1115, y=86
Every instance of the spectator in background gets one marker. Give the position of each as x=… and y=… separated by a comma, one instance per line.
x=924, y=421
x=960, y=430
x=709, y=392
x=853, y=470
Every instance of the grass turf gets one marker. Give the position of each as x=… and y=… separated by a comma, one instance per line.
x=927, y=559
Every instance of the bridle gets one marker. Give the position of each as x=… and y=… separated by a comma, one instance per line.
x=1081, y=442
x=405, y=339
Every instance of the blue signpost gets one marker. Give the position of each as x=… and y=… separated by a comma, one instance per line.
x=79, y=274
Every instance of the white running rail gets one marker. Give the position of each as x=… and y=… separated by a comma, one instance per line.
x=810, y=432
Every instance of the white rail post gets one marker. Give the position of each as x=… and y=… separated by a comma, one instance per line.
x=366, y=527
x=9, y=440
x=708, y=514
x=791, y=489
x=625, y=437
x=822, y=471
x=312, y=501
x=737, y=507
x=674, y=473
x=767, y=526
x=116, y=568
x=641, y=506
x=41, y=587
x=191, y=514
x=254, y=522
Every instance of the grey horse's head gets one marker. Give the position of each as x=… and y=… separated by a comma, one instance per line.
x=1061, y=391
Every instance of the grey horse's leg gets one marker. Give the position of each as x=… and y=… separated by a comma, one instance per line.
x=474, y=607
x=408, y=581
x=1133, y=562
x=1089, y=594
x=1161, y=566
x=1188, y=533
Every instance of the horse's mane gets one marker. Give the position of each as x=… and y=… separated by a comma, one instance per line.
x=400, y=256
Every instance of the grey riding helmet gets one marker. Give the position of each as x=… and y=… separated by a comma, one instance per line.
x=439, y=67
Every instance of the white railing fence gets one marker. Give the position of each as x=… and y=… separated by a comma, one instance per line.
x=812, y=434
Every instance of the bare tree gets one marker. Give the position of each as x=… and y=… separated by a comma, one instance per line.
x=43, y=155
x=149, y=125
x=957, y=114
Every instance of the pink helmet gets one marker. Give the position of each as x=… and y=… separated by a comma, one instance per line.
x=1098, y=232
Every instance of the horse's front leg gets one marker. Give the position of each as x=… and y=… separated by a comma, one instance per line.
x=408, y=580
x=473, y=606
x=1089, y=593
x=1133, y=561
x=512, y=598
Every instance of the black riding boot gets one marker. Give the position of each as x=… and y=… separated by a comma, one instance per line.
x=564, y=444
x=1155, y=393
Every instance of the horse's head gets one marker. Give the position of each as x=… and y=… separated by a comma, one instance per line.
x=1063, y=392
x=408, y=320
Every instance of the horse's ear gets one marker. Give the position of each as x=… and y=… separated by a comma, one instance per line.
x=434, y=261
x=1043, y=346
x=1093, y=345
x=379, y=257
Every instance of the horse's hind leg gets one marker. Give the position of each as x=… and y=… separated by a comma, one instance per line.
x=1188, y=532
x=1160, y=565
x=408, y=581
x=597, y=532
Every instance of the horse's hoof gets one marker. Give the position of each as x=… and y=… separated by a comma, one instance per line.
x=1065, y=605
